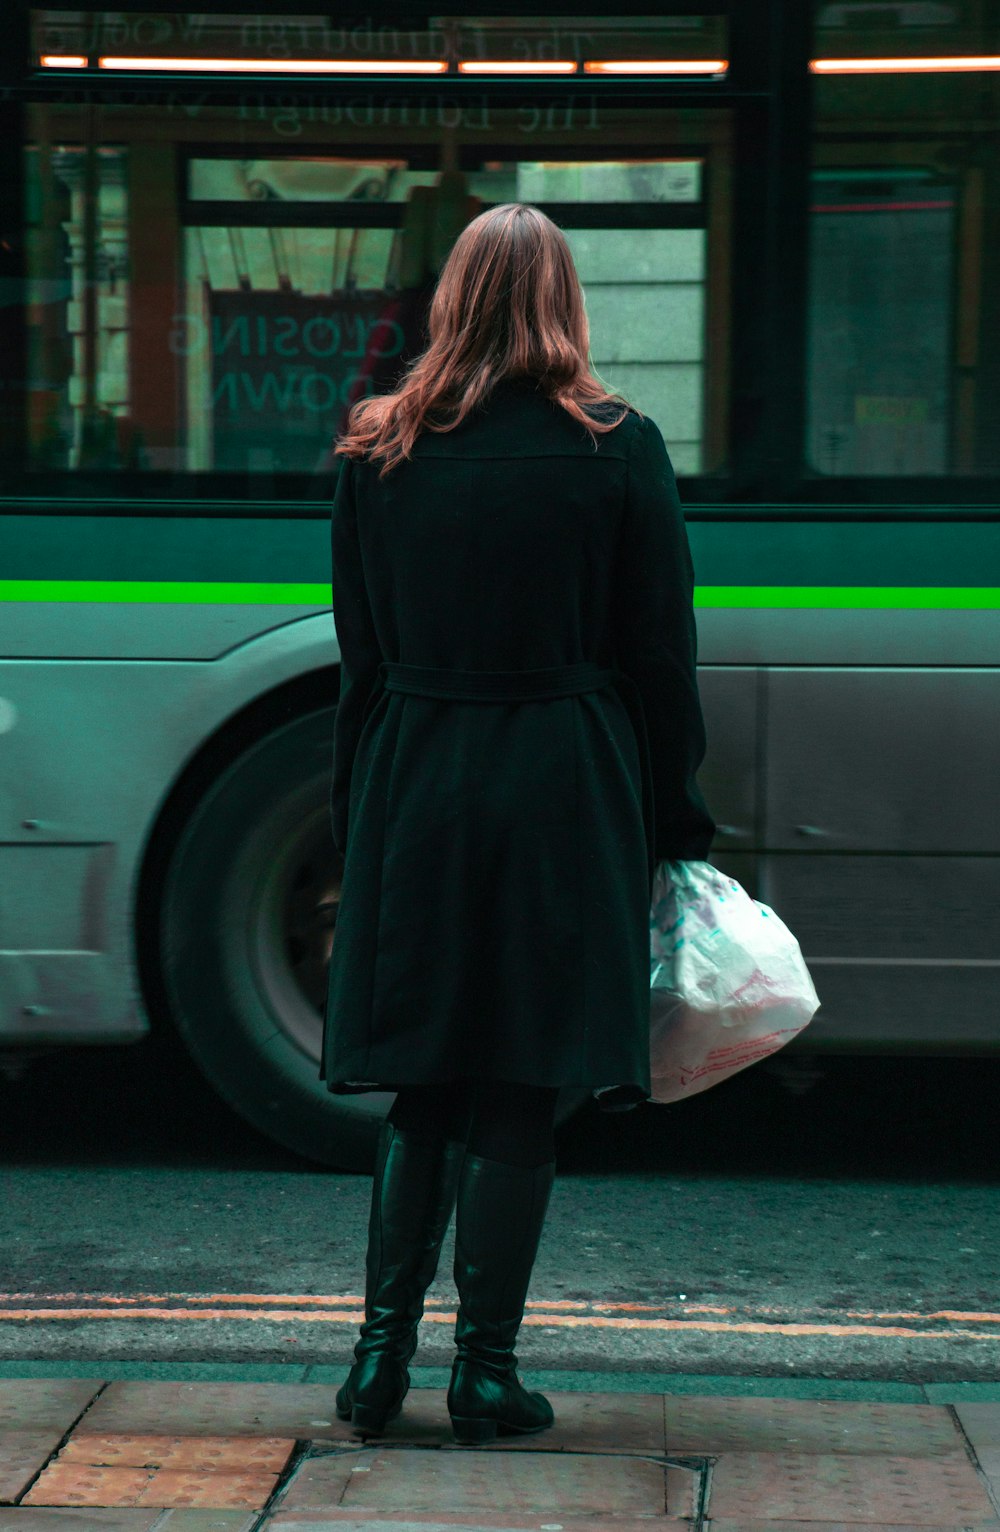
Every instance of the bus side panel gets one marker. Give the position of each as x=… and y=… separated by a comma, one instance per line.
x=882, y=849
x=91, y=751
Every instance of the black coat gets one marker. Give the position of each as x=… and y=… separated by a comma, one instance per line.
x=498, y=854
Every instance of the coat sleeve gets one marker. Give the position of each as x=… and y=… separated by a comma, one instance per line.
x=656, y=644
x=360, y=655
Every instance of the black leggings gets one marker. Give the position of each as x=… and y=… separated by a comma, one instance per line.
x=496, y=1119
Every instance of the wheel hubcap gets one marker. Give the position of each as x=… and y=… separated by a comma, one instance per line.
x=291, y=919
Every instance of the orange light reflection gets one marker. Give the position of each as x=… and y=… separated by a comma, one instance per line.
x=515, y=66
x=903, y=66
x=970, y=63
x=283, y=66
x=656, y=66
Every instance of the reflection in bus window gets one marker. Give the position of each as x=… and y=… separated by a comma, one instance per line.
x=904, y=281
x=882, y=270
x=174, y=38
x=282, y=287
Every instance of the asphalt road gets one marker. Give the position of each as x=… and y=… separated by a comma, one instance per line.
x=850, y=1231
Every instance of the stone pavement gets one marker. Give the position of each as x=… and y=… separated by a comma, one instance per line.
x=136, y=1455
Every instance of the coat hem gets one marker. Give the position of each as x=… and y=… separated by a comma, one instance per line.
x=609, y=1098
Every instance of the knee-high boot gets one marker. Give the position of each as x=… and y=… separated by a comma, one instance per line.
x=498, y=1224
x=413, y=1194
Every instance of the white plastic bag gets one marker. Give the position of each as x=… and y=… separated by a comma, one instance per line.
x=728, y=983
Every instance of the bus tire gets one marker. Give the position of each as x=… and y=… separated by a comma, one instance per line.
x=248, y=914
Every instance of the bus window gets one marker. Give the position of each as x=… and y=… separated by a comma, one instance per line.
x=904, y=271
x=212, y=285
x=882, y=272
x=281, y=290
x=286, y=326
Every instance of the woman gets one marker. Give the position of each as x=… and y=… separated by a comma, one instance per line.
x=515, y=748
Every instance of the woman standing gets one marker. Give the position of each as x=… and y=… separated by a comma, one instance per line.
x=515, y=748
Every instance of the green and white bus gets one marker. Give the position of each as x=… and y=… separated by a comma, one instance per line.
x=220, y=228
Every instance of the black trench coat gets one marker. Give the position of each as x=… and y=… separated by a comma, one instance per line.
x=499, y=849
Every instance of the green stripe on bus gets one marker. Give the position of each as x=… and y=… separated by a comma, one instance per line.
x=254, y=593
x=888, y=596
x=939, y=597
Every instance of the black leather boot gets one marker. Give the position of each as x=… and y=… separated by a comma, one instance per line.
x=413, y=1194
x=498, y=1224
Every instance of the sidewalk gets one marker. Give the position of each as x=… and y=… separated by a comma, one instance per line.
x=141, y=1454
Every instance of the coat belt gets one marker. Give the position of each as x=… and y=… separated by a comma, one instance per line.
x=534, y=685
x=496, y=685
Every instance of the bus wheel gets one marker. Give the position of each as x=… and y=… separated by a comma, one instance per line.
x=248, y=919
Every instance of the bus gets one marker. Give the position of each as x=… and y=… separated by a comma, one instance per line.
x=220, y=228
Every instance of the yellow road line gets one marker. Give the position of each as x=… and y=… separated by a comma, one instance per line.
x=595, y=1307
x=120, y=1310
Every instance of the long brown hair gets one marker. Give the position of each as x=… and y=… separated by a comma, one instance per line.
x=508, y=304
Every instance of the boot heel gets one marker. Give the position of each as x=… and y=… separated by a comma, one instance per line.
x=372, y=1421
x=470, y=1433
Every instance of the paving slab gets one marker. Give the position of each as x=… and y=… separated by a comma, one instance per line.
x=980, y=1422
x=82, y=1484
x=42, y=1404
x=174, y=1487
x=304, y=1410
x=703, y=1424
x=92, y=1519
x=585, y=1422
x=204, y=1521
x=265, y=1454
x=73, y=1483
x=22, y=1455
x=825, y=1487
x=618, y=1423
x=556, y=1484
x=723, y=1524
x=319, y=1483
x=507, y=1521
